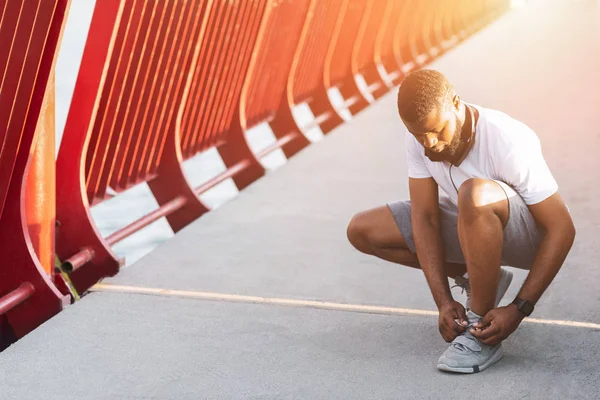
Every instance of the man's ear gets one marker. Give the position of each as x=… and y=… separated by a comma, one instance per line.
x=456, y=102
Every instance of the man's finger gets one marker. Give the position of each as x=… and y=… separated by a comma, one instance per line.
x=452, y=325
x=463, y=323
x=486, y=333
x=486, y=320
x=462, y=315
x=494, y=340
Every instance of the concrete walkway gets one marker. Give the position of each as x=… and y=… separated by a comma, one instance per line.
x=234, y=306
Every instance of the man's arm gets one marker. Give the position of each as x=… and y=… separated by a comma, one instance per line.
x=522, y=165
x=425, y=216
x=558, y=233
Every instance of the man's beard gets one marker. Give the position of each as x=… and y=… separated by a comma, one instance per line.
x=451, y=150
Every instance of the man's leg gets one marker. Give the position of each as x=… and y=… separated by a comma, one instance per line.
x=376, y=233
x=483, y=212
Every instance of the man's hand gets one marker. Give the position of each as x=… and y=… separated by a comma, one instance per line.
x=450, y=312
x=497, y=324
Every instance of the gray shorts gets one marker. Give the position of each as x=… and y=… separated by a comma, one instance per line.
x=521, y=234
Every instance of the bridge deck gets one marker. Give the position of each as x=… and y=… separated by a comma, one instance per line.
x=281, y=243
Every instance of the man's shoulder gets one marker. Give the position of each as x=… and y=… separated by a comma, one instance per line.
x=500, y=127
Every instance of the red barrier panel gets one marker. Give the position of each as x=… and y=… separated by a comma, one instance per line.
x=431, y=42
x=401, y=42
x=493, y=9
x=416, y=35
x=338, y=65
x=29, y=33
x=212, y=113
x=386, y=53
x=364, y=57
x=209, y=115
x=306, y=81
x=418, y=32
x=370, y=31
x=432, y=27
x=264, y=96
x=483, y=12
x=443, y=34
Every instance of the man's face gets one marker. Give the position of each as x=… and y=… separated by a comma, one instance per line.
x=439, y=132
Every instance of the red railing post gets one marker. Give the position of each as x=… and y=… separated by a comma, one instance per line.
x=77, y=236
x=30, y=32
x=40, y=192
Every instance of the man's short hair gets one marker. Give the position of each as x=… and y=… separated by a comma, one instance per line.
x=422, y=92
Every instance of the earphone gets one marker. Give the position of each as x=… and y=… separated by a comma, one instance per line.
x=469, y=142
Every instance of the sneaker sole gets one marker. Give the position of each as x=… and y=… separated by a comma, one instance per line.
x=471, y=370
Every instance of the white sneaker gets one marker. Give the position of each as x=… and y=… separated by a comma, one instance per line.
x=468, y=355
x=505, y=279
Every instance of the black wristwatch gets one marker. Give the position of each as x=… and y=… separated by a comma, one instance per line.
x=524, y=306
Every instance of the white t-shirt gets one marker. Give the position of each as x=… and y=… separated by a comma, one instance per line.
x=504, y=149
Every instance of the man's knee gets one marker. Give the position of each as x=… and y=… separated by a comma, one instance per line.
x=375, y=229
x=358, y=232
x=477, y=197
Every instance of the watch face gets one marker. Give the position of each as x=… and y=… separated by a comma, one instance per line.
x=524, y=306
x=527, y=308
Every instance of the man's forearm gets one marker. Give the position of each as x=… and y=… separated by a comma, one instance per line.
x=552, y=251
x=430, y=253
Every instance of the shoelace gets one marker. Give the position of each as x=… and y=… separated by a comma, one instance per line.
x=468, y=326
x=462, y=283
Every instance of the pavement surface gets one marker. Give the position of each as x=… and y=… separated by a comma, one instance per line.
x=264, y=297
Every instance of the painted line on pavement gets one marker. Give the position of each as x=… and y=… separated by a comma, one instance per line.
x=323, y=305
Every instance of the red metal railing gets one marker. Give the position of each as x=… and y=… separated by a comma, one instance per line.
x=185, y=64
x=29, y=34
x=134, y=76
x=161, y=81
